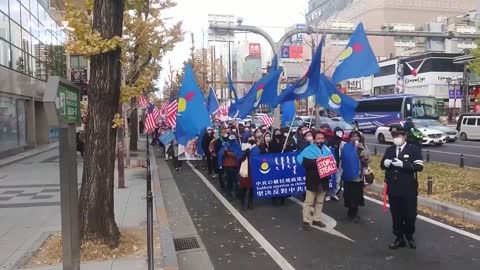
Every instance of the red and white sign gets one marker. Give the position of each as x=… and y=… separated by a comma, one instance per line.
x=296, y=52
x=326, y=166
x=254, y=50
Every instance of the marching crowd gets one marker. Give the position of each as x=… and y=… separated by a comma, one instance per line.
x=228, y=149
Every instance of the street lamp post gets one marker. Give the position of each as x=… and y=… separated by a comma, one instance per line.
x=460, y=83
x=449, y=81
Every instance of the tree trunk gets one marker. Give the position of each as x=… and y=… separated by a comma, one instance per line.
x=133, y=125
x=121, y=152
x=97, y=219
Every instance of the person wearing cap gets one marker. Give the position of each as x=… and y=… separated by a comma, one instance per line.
x=401, y=163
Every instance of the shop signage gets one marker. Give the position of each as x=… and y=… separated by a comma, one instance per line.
x=68, y=104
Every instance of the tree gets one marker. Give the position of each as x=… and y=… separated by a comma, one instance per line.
x=100, y=39
x=148, y=39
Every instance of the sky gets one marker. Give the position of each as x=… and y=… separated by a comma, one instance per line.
x=271, y=15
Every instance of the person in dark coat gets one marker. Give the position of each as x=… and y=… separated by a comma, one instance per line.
x=401, y=162
x=351, y=158
x=207, y=138
x=218, y=145
x=335, y=143
x=278, y=140
x=264, y=146
x=316, y=186
x=228, y=160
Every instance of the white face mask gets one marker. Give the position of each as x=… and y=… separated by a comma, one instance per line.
x=339, y=134
x=398, y=141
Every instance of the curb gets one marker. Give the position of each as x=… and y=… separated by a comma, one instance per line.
x=27, y=154
x=169, y=255
x=464, y=214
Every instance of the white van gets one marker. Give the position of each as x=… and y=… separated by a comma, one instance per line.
x=468, y=126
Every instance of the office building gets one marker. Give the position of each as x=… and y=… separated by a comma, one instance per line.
x=31, y=50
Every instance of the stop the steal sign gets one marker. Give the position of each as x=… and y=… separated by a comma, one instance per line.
x=326, y=166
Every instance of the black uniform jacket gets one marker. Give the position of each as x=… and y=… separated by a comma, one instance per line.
x=403, y=181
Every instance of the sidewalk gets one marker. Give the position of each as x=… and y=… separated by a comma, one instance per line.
x=30, y=209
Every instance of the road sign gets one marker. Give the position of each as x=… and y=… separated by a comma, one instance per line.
x=68, y=104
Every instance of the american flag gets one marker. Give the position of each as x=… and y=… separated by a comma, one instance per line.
x=171, y=114
x=143, y=101
x=163, y=109
x=152, y=117
x=267, y=120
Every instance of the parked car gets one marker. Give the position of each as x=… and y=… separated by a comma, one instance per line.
x=468, y=126
x=430, y=136
x=450, y=133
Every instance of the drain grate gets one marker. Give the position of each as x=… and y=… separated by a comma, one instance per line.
x=185, y=243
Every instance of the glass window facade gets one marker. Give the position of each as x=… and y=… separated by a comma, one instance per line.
x=12, y=123
x=30, y=40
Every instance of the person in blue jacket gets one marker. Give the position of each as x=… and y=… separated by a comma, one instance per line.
x=315, y=186
x=351, y=158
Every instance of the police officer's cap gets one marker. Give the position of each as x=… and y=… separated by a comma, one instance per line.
x=397, y=129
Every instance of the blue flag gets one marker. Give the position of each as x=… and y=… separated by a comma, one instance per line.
x=192, y=115
x=260, y=92
x=334, y=100
x=270, y=95
x=288, y=112
x=357, y=60
x=212, y=102
x=232, y=91
x=307, y=85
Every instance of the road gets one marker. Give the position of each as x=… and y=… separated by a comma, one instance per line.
x=271, y=237
x=447, y=153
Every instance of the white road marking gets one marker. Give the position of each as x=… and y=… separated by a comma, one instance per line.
x=329, y=221
x=434, y=222
x=276, y=256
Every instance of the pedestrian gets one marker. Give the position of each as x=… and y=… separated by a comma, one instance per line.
x=336, y=144
x=141, y=125
x=246, y=186
x=265, y=143
x=229, y=156
x=207, y=139
x=278, y=140
x=304, y=138
x=316, y=186
x=218, y=146
x=176, y=161
x=258, y=135
x=276, y=146
x=352, y=175
x=401, y=163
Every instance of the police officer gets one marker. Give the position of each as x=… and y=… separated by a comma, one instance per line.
x=401, y=163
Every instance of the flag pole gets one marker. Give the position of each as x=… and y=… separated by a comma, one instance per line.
x=289, y=131
x=311, y=117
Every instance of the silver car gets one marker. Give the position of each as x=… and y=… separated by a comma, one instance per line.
x=451, y=134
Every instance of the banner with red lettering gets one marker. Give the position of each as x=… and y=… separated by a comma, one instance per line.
x=326, y=166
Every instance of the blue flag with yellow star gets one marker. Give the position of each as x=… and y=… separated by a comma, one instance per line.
x=330, y=98
x=260, y=93
x=357, y=60
x=192, y=114
x=307, y=85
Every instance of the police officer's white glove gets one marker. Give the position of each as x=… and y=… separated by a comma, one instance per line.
x=387, y=162
x=397, y=163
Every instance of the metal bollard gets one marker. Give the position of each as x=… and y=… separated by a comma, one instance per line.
x=429, y=185
x=462, y=161
x=428, y=155
x=375, y=150
x=150, y=253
